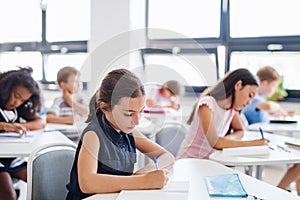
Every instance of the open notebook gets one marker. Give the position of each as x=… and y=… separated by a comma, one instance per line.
x=247, y=151
x=174, y=190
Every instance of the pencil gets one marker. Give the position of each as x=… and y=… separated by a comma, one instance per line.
x=262, y=133
x=155, y=162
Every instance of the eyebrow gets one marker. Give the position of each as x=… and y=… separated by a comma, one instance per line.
x=135, y=110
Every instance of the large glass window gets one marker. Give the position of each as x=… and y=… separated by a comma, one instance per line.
x=12, y=60
x=56, y=61
x=191, y=18
x=20, y=21
x=68, y=20
x=286, y=63
x=189, y=69
x=255, y=18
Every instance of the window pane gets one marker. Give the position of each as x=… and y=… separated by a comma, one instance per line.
x=254, y=18
x=189, y=70
x=20, y=21
x=10, y=61
x=68, y=20
x=56, y=62
x=192, y=18
x=286, y=63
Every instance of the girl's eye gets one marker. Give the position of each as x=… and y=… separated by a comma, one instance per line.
x=128, y=115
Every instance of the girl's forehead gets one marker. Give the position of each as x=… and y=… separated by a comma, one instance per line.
x=128, y=103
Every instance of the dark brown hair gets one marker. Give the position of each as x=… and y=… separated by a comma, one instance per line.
x=117, y=84
x=225, y=86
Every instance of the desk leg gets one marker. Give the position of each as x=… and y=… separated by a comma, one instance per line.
x=248, y=170
x=259, y=170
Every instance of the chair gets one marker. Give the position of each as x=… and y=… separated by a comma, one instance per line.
x=170, y=136
x=49, y=171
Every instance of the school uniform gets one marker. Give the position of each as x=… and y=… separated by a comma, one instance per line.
x=11, y=164
x=116, y=155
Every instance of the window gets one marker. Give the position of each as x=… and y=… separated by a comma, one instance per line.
x=286, y=63
x=190, y=18
x=183, y=67
x=256, y=18
x=20, y=21
x=68, y=20
x=12, y=60
x=57, y=61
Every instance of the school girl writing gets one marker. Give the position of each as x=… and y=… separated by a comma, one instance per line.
x=216, y=111
x=19, y=105
x=106, y=154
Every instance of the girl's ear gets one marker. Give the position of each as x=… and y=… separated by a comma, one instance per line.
x=62, y=85
x=238, y=85
x=104, y=107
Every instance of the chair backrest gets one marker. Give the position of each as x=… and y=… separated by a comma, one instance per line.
x=171, y=136
x=49, y=172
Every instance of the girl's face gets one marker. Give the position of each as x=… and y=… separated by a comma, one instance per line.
x=126, y=114
x=72, y=85
x=244, y=95
x=18, y=96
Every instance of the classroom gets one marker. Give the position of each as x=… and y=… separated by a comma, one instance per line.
x=217, y=93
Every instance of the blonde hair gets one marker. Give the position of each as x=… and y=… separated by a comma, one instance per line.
x=268, y=73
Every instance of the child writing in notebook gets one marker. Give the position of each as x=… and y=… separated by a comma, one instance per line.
x=106, y=153
x=19, y=105
x=217, y=110
x=70, y=107
x=260, y=109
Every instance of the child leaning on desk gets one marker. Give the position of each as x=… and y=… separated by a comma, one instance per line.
x=70, y=107
x=106, y=153
x=19, y=105
x=216, y=110
x=260, y=108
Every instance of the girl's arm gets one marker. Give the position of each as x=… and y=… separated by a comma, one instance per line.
x=165, y=159
x=206, y=119
x=90, y=182
x=237, y=128
x=35, y=124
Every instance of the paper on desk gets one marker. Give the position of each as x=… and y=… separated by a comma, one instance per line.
x=151, y=194
x=15, y=137
x=174, y=190
x=247, y=151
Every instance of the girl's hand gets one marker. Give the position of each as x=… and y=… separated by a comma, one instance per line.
x=262, y=142
x=14, y=127
x=156, y=179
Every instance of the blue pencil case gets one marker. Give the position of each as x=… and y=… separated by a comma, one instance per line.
x=225, y=185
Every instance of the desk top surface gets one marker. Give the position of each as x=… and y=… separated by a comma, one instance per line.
x=280, y=153
x=195, y=170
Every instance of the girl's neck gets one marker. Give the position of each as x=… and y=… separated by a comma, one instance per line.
x=226, y=103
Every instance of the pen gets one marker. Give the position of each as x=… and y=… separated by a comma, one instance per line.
x=262, y=133
x=155, y=162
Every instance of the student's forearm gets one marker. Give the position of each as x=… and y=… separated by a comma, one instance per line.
x=227, y=143
x=102, y=183
x=35, y=124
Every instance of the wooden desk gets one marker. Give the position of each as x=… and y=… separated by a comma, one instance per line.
x=23, y=149
x=195, y=170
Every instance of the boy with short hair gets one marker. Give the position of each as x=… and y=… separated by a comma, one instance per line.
x=70, y=106
x=260, y=108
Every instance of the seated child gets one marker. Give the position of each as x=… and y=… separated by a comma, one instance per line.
x=260, y=109
x=70, y=107
x=166, y=96
x=106, y=153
